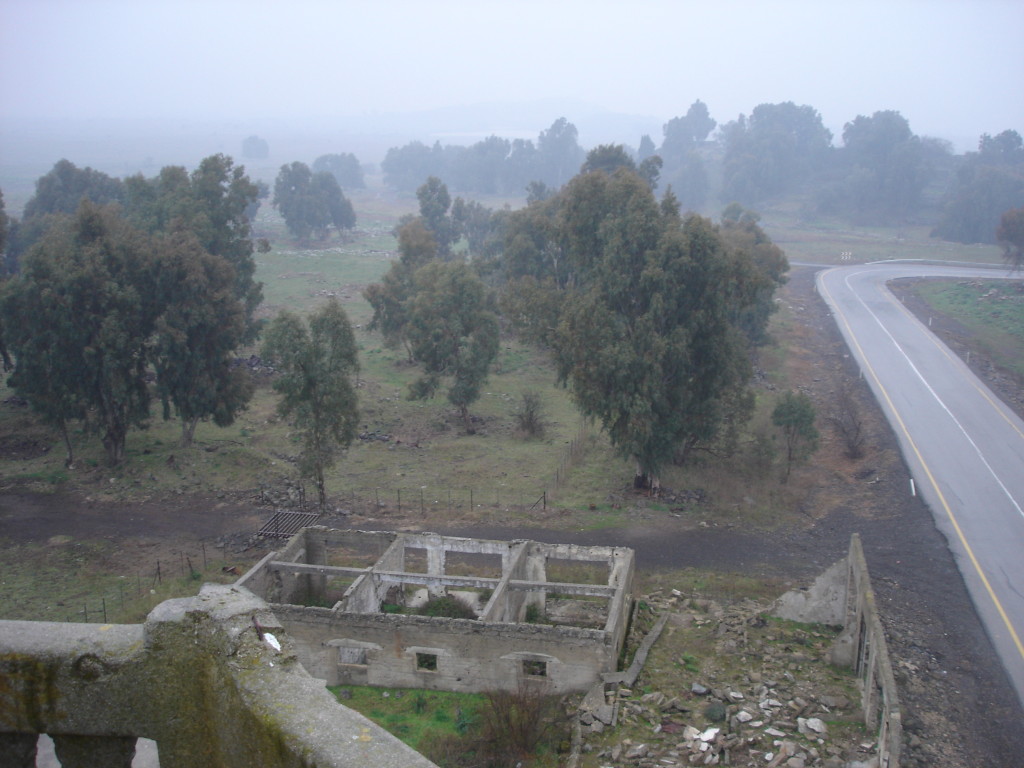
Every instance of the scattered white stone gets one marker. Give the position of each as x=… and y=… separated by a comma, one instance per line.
x=690, y=733
x=810, y=725
x=735, y=695
x=272, y=641
x=743, y=716
x=640, y=750
x=774, y=732
x=709, y=734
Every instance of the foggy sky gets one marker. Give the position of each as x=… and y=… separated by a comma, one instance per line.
x=954, y=69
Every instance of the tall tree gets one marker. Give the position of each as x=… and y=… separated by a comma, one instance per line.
x=559, y=153
x=311, y=203
x=773, y=151
x=201, y=324
x=646, y=148
x=213, y=202
x=316, y=363
x=344, y=167
x=681, y=134
x=453, y=334
x=763, y=267
x=435, y=202
x=255, y=148
x=647, y=343
x=988, y=183
x=64, y=186
x=389, y=298
x=80, y=316
x=608, y=158
x=59, y=191
x=884, y=164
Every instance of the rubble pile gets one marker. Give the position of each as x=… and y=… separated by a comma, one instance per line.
x=731, y=686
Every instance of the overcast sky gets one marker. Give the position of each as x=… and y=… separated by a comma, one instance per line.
x=953, y=68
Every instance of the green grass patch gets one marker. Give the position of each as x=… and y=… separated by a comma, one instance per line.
x=83, y=581
x=993, y=310
x=417, y=717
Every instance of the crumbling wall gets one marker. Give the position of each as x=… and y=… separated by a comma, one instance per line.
x=353, y=642
x=842, y=596
x=468, y=655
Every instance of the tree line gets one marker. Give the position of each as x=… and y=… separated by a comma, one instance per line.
x=142, y=289
x=881, y=173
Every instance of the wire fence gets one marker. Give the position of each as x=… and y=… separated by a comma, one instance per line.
x=164, y=577
x=138, y=593
x=424, y=499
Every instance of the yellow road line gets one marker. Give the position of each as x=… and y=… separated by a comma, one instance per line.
x=931, y=479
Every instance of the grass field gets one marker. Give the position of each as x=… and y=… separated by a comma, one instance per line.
x=415, y=452
x=992, y=310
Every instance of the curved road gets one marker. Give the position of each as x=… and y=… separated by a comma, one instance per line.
x=965, y=448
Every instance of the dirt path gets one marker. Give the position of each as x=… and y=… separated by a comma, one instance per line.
x=959, y=710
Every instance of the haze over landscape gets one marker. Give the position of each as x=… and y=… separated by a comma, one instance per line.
x=189, y=78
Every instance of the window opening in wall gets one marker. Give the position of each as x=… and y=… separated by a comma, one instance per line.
x=426, y=662
x=532, y=668
x=415, y=560
x=348, y=655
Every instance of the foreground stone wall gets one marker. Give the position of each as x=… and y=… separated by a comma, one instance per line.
x=214, y=680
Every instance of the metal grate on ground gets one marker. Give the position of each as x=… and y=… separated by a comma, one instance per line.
x=284, y=525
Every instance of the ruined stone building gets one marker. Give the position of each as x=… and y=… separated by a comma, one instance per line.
x=555, y=614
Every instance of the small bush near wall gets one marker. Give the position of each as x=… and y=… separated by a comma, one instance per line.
x=447, y=606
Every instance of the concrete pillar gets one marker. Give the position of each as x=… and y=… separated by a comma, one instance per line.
x=435, y=567
x=536, y=570
x=18, y=750
x=90, y=751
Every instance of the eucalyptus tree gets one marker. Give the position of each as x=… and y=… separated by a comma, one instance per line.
x=648, y=341
x=212, y=202
x=79, y=318
x=200, y=326
x=311, y=203
x=773, y=151
x=316, y=363
x=344, y=167
x=389, y=298
x=453, y=333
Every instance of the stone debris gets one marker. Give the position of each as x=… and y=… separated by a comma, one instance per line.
x=786, y=708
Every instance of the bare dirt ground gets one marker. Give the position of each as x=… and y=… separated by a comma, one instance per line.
x=959, y=709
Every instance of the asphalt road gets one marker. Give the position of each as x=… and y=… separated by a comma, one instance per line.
x=964, y=447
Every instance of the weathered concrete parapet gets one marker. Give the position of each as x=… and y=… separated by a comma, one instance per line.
x=197, y=678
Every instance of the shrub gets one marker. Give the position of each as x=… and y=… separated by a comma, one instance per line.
x=516, y=722
x=529, y=415
x=447, y=606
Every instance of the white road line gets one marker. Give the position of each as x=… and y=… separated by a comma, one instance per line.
x=934, y=394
